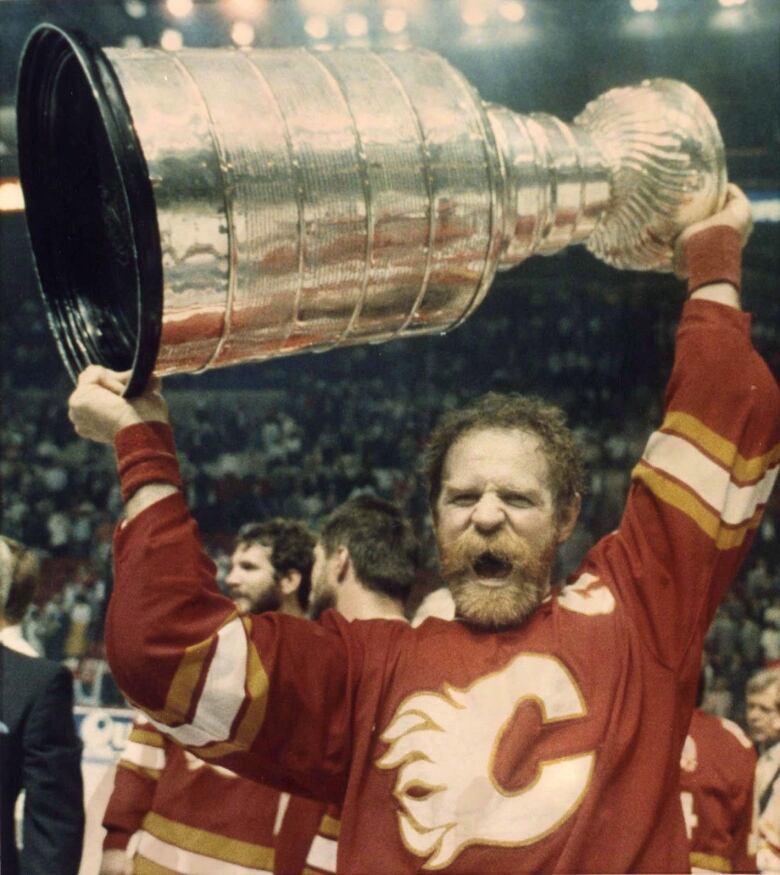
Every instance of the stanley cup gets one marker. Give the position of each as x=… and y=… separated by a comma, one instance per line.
x=209, y=207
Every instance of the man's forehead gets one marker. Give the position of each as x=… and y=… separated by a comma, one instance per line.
x=247, y=548
x=767, y=696
x=509, y=452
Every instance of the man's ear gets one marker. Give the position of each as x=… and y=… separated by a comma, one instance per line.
x=342, y=561
x=289, y=583
x=568, y=519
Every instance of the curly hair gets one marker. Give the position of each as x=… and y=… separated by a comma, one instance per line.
x=511, y=410
x=292, y=549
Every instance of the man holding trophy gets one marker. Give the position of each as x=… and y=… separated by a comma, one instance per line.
x=539, y=732
x=334, y=198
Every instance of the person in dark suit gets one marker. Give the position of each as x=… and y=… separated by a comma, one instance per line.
x=40, y=751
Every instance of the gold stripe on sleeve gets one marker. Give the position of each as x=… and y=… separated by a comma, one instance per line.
x=148, y=737
x=254, y=714
x=201, y=841
x=141, y=770
x=144, y=866
x=722, y=450
x=709, y=861
x=330, y=827
x=725, y=537
x=185, y=680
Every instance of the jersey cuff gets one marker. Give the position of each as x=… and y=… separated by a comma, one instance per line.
x=146, y=453
x=714, y=255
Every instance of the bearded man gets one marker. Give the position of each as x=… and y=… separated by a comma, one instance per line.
x=541, y=732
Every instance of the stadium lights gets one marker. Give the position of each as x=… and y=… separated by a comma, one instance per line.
x=242, y=33
x=245, y=9
x=473, y=13
x=316, y=26
x=179, y=8
x=135, y=8
x=11, y=197
x=356, y=24
x=394, y=20
x=644, y=5
x=171, y=40
x=512, y=10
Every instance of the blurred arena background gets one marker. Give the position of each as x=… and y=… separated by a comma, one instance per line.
x=298, y=436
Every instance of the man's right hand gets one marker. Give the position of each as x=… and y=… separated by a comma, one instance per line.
x=116, y=862
x=98, y=411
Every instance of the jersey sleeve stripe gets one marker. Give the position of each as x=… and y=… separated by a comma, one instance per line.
x=329, y=827
x=254, y=711
x=710, y=862
x=143, y=755
x=711, y=483
x=724, y=451
x=178, y=701
x=209, y=844
x=223, y=692
x=147, y=737
x=679, y=497
x=154, y=774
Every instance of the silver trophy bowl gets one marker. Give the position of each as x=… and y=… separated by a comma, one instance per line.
x=209, y=207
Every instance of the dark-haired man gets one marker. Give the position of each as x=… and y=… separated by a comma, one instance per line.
x=516, y=739
x=365, y=564
x=270, y=569
x=190, y=815
x=364, y=561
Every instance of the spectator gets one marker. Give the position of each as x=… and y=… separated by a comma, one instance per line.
x=40, y=752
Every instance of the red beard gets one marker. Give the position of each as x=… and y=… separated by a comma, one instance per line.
x=516, y=577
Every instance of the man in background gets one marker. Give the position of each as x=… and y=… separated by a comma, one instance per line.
x=190, y=815
x=365, y=565
x=717, y=768
x=763, y=719
x=40, y=752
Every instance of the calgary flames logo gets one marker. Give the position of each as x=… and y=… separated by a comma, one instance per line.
x=444, y=746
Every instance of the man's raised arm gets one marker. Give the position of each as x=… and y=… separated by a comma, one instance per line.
x=215, y=682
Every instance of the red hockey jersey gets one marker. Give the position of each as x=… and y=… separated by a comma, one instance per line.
x=191, y=816
x=307, y=840
x=717, y=767
x=550, y=747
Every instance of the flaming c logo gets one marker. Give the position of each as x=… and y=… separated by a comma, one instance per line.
x=444, y=746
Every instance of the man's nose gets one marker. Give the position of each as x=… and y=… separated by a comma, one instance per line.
x=488, y=513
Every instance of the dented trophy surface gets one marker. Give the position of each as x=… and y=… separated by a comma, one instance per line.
x=305, y=200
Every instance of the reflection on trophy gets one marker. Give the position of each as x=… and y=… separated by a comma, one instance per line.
x=209, y=207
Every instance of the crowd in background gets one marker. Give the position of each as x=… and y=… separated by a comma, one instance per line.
x=296, y=437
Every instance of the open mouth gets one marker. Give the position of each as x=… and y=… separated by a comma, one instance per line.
x=492, y=567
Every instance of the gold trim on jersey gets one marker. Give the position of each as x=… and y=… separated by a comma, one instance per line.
x=201, y=841
x=725, y=537
x=425, y=737
x=254, y=713
x=144, y=866
x=149, y=737
x=743, y=470
x=330, y=827
x=154, y=774
x=185, y=680
x=714, y=862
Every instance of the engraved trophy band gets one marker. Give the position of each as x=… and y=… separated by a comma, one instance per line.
x=208, y=207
